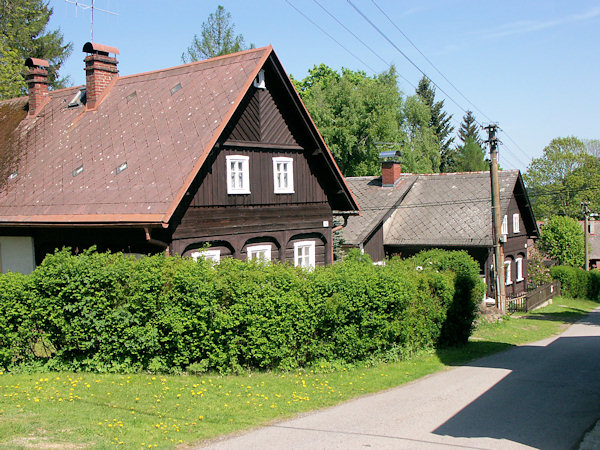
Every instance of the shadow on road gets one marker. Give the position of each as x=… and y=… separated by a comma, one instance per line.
x=548, y=400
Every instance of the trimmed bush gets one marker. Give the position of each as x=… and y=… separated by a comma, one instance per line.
x=576, y=282
x=17, y=331
x=106, y=312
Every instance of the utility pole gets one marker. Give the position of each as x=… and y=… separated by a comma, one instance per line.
x=586, y=215
x=499, y=276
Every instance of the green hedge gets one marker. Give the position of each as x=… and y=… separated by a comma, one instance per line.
x=110, y=313
x=576, y=282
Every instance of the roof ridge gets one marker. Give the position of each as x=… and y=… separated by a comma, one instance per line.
x=201, y=62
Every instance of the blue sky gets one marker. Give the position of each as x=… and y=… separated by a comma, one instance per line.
x=531, y=66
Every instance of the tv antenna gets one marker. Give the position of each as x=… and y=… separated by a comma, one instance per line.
x=91, y=7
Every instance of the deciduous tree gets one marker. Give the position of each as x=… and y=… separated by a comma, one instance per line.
x=354, y=112
x=561, y=239
x=557, y=180
x=421, y=151
x=217, y=37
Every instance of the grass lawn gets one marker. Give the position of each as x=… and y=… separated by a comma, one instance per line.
x=91, y=410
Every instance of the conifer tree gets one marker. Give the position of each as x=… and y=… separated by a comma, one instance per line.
x=439, y=122
x=23, y=34
x=217, y=37
x=469, y=129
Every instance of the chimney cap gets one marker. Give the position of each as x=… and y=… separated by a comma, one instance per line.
x=392, y=155
x=36, y=62
x=92, y=47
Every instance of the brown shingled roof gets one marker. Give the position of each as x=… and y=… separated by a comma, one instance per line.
x=60, y=166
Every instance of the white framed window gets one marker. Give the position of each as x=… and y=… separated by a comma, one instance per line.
x=304, y=254
x=262, y=252
x=213, y=255
x=283, y=175
x=519, y=268
x=516, y=227
x=504, y=227
x=238, y=174
x=507, y=272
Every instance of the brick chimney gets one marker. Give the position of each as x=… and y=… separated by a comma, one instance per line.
x=391, y=169
x=100, y=70
x=37, y=81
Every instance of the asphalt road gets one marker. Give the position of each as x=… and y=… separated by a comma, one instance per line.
x=541, y=395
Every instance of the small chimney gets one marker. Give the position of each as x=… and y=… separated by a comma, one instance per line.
x=100, y=70
x=37, y=81
x=391, y=169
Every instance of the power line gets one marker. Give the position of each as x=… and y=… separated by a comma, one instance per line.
x=403, y=54
x=428, y=60
x=361, y=41
x=330, y=36
x=423, y=73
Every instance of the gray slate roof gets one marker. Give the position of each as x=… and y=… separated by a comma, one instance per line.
x=375, y=202
x=448, y=209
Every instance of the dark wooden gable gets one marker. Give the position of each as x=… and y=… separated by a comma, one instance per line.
x=262, y=116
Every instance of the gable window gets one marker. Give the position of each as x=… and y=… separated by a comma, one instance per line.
x=283, y=175
x=507, y=267
x=519, y=268
x=262, y=252
x=504, y=227
x=304, y=254
x=213, y=255
x=238, y=174
x=516, y=227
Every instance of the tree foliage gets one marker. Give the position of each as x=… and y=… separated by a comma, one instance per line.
x=469, y=129
x=564, y=176
x=354, y=112
x=23, y=34
x=561, y=239
x=217, y=37
x=12, y=83
x=470, y=157
x=592, y=146
x=439, y=120
x=421, y=150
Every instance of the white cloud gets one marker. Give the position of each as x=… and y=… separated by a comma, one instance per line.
x=528, y=26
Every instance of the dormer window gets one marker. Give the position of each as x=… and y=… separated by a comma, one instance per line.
x=283, y=175
x=238, y=174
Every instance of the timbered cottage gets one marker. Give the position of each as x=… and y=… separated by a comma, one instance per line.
x=407, y=213
x=214, y=158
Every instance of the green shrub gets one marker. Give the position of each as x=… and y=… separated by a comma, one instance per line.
x=468, y=292
x=573, y=280
x=18, y=334
x=105, y=312
x=576, y=282
x=594, y=285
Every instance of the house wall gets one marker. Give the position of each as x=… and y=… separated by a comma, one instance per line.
x=17, y=254
x=264, y=126
x=373, y=245
x=516, y=247
x=213, y=188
